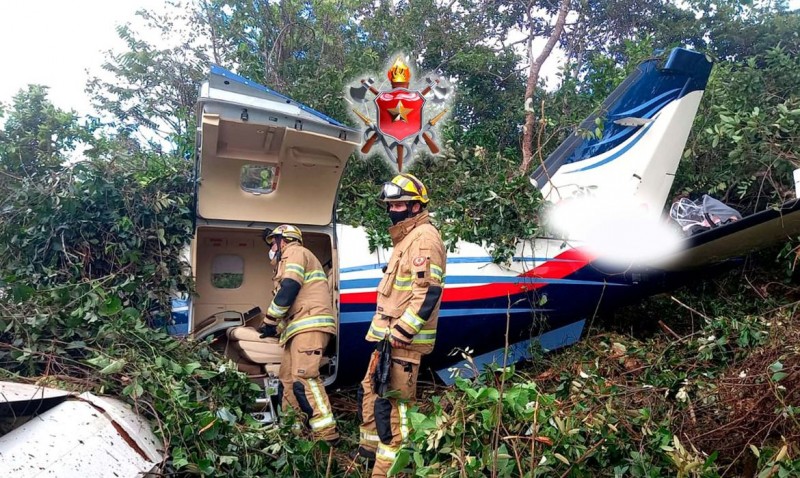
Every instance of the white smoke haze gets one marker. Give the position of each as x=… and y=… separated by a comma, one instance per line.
x=615, y=231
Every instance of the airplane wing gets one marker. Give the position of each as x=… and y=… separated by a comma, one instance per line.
x=737, y=238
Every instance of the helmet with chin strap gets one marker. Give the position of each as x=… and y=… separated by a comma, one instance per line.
x=283, y=233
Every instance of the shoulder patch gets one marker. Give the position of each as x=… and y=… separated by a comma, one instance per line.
x=418, y=261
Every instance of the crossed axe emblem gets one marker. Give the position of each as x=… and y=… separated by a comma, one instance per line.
x=399, y=123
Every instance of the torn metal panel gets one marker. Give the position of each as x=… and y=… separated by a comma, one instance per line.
x=20, y=399
x=85, y=436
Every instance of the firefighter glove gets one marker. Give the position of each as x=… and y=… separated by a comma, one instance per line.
x=268, y=331
x=401, y=338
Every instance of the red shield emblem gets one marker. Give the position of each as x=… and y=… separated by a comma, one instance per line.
x=400, y=113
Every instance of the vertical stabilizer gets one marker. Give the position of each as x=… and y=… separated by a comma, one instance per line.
x=646, y=122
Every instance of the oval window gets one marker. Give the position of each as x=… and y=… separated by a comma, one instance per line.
x=227, y=271
x=259, y=178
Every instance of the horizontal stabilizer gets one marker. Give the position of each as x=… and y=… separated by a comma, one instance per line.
x=633, y=121
x=737, y=238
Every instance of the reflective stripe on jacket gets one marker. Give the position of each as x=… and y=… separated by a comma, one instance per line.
x=410, y=293
x=311, y=309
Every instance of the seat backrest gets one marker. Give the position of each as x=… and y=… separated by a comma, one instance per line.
x=255, y=321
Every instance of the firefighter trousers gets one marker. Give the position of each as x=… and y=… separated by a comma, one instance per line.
x=384, y=420
x=302, y=388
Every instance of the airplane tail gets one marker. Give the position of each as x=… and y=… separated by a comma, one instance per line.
x=646, y=122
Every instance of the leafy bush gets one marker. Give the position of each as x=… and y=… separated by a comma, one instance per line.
x=747, y=128
x=90, y=256
x=69, y=337
x=126, y=222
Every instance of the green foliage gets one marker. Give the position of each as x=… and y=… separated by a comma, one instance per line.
x=615, y=405
x=311, y=50
x=81, y=337
x=776, y=462
x=518, y=429
x=480, y=197
x=90, y=257
x=150, y=92
x=608, y=26
x=747, y=141
x=357, y=204
x=737, y=30
x=729, y=337
x=476, y=196
x=101, y=219
x=37, y=136
x=90, y=253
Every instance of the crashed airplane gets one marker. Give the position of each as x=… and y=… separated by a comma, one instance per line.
x=264, y=159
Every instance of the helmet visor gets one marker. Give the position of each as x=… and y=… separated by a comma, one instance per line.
x=266, y=236
x=390, y=191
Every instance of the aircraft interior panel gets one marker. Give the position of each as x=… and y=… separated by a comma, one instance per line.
x=233, y=278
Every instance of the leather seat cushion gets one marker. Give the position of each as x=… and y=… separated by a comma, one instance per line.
x=262, y=351
x=264, y=354
x=248, y=334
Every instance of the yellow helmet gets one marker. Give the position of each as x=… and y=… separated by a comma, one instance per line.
x=402, y=188
x=286, y=231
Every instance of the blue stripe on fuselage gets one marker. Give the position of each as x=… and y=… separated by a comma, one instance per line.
x=478, y=280
x=458, y=260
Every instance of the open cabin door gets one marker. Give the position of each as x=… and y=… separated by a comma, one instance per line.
x=262, y=160
x=265, y=158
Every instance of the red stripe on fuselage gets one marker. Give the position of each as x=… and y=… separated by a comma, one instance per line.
x=557, y=268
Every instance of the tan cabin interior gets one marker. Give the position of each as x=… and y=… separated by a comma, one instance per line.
x=255, y=169
x=233, y=276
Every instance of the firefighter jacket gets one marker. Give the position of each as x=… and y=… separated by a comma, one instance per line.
x=410, y=292
x=302, y=298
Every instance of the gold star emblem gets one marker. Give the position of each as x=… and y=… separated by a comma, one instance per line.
x=400, y=112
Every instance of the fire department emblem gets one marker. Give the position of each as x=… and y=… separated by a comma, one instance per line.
x=400, y=121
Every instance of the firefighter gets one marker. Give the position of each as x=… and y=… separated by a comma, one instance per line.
x=302, y=314
x=407, y=311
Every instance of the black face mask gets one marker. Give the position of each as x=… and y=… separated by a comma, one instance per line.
x=398, y=216
x=278, y=240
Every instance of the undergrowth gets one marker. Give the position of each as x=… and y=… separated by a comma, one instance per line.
x=712, y=390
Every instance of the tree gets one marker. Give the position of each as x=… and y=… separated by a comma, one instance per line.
x=606, y=28
x=736, y=30
x=149, y=92
x=533, y=78
x=37, y=136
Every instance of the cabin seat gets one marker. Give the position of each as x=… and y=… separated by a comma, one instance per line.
x=252, y=354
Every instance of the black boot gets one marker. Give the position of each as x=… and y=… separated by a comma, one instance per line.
x=334, y=442
x=363, y=455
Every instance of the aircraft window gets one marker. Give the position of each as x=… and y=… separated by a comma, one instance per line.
x=259, y=178
x=227, y=271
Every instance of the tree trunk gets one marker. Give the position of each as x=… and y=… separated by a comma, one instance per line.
x=533, y=78
x=212, y=29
